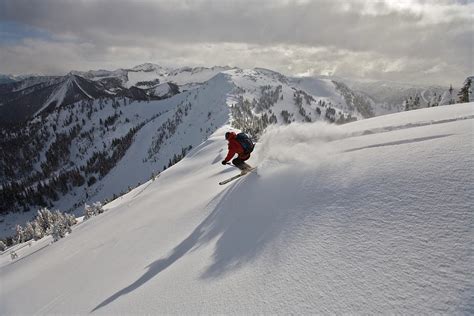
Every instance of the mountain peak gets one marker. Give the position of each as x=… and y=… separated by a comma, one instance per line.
x=71, y=75
x=146, y=67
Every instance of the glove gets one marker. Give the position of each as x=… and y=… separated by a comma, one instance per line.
x=224, y=162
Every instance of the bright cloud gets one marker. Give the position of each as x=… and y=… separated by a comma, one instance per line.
x=382, y=39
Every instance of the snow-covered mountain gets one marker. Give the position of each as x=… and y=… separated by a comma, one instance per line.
x=11, y=78
x=6, y=79
x=23, y=97
x=94, y=135
x=370, y=217
x=148, y=75
x=24, y=100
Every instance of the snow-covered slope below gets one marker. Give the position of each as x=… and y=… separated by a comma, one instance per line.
x=369, y=217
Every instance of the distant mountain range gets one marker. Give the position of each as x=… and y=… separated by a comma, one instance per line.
x=23, y=97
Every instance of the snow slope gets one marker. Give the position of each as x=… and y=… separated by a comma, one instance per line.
x=208, y=105
x=369, y=217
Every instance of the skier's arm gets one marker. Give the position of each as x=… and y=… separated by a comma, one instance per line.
x=230, y=154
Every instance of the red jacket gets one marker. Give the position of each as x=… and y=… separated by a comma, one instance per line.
x=235, y=148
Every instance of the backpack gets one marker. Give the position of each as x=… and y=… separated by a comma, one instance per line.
x=245, y=142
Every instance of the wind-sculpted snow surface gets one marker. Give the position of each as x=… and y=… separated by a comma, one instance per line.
x=372, y=217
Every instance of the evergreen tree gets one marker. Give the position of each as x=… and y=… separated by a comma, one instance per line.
x=60, y=227
x=19, y=235
x=29, y=231
x=465, y=91
x=88, y=211
x=70, y=220
x=45, y=219
x=93, y=210
x=38, y=231
x=98, y=208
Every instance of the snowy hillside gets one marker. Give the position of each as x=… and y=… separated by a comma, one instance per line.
x=22, y=99
x=348, y=100
x=26, y=99
x=99, y=149
x=371, y=217
x=62, y=158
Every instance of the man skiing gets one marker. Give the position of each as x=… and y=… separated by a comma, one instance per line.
x=242, y=145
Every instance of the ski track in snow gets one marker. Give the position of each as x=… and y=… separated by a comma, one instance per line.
x=372, y=217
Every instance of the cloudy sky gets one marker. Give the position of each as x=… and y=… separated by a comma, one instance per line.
x=419, y=41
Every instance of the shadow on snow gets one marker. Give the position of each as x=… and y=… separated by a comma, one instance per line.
x=242, y=224
x=246, y=217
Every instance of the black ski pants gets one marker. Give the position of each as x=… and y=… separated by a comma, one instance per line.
x=239, y=162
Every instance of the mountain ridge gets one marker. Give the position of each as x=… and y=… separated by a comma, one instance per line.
x=146, y=76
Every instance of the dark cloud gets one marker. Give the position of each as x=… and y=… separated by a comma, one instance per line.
x=394, y=37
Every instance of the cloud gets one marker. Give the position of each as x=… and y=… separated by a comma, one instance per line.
x=396, y=37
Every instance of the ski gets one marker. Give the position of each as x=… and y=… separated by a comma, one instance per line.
x=237, y=176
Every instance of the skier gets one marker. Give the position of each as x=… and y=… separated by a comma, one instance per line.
x=239, y=144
